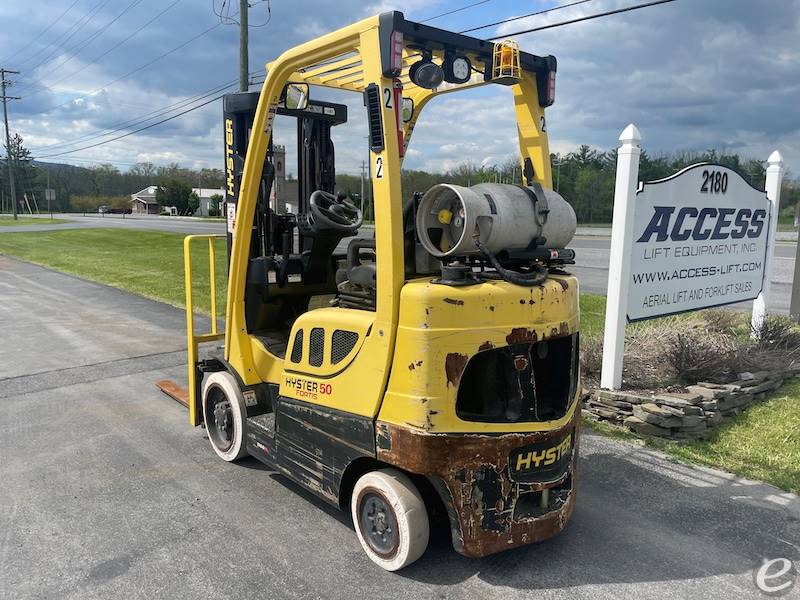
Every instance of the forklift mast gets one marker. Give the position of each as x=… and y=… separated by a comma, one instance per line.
x=315, y=166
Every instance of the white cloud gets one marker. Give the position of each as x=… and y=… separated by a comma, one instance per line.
x=692, y=75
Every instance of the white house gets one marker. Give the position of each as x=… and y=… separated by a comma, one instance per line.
x=205, y=195
x=144, y=201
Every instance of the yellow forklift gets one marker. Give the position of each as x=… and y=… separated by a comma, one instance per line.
x=443, y=372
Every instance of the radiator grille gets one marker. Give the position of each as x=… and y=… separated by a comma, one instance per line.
x=342, y=343
x=297, y=347
x=316, y=348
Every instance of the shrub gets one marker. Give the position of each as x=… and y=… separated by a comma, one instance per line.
x=696, y=354
x=777, y=332
x=591, y=356
x=722, y=321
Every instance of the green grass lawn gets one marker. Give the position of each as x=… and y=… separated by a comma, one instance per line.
x=8, y=221
x=763, y=443
x=148, y=263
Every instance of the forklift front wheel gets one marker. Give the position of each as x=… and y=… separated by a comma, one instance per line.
x=224, y=414
x=390, y=518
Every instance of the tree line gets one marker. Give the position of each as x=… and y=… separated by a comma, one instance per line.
x=585, y=178
x=73, y=185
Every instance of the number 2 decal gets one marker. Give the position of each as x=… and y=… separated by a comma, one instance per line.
x=387, y=97
x=378, y=167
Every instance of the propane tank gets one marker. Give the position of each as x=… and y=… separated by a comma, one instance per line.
x=504, y=217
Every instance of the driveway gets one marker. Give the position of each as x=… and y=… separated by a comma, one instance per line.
x=108, y=493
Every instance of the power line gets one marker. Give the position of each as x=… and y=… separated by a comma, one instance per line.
x=175, y=116
x=226, y=18
x=94, y=161
x=74, y=50
x=551, y=26
x=144, y=66
x=104, y=54
x=578, y=20
x=111, y=129
x=76, y=27
x=533, y=14
x=452, y=12
x=45, y=30
x=124, y=135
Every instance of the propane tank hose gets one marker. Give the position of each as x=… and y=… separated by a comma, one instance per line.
x=536, y=277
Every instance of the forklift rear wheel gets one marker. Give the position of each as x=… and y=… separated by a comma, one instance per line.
x=390, y=518
x=224, y=414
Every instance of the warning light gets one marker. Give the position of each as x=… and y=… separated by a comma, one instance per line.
x=505, y=63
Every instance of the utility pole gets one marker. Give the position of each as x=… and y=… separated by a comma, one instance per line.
x=9, y=160
x=244, y=60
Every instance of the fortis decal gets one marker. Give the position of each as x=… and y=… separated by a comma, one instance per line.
x=306, y=388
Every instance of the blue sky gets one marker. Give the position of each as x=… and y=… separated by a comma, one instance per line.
x=693, y=74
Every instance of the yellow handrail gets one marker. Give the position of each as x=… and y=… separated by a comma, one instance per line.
x=194, y=340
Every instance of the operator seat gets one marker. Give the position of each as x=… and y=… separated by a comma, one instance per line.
x=357, y=280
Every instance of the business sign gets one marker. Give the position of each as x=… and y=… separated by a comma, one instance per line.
x=699, y=240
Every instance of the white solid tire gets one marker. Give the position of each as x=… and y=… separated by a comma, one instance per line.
x=225, y=382
x=409, y=511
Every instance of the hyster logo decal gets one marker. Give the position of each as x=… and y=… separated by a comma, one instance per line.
x=540, y=462
x=306, y=388
x=229, y=154
x=545, y=457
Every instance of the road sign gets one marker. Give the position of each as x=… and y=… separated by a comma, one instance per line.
x=50, y=195
x=699, y=240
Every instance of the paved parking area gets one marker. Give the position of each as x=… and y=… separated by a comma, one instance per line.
x=106, y=492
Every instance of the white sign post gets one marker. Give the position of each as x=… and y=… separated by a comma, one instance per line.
x=620, y=258
x=774, y=179
x=697, y=239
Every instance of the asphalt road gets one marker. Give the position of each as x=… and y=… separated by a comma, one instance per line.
x=108, y=493
x=152, y=222
x=591, y=261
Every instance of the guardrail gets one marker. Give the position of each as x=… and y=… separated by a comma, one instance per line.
x=193, y=339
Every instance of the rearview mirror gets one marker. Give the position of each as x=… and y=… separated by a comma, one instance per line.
x=295, y=96
x=408, y=109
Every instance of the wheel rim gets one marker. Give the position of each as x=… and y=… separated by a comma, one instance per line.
x=219, y=419
x=378, y=523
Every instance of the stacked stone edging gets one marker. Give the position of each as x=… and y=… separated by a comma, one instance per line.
x=684, y=415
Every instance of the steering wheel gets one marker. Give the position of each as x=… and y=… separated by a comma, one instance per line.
x=330, y=212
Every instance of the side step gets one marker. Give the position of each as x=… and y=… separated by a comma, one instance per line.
x=174, y=391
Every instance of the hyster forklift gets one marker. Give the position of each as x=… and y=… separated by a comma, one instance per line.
x=442, y=374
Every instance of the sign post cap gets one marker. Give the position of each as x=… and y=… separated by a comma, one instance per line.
x=775, y=159
x=630, y=135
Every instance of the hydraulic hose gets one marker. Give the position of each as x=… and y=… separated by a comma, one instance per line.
x=536, y=277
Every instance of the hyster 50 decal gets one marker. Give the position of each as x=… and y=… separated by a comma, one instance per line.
x=306, y=388
x=540, y=462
